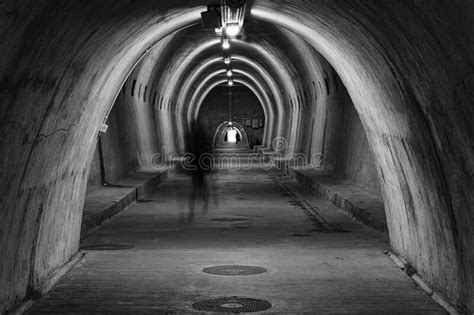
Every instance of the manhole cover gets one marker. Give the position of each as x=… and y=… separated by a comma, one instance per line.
x=229, y=219
x=234, y=270
x=329, y=230
x=106, y=247
x=300, y=235
x=233, y=304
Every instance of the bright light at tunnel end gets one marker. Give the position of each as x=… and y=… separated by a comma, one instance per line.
x=232, y=136
x=225, y=44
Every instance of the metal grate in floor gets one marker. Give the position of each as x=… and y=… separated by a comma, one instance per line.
x=234, y=270
x=233, y=304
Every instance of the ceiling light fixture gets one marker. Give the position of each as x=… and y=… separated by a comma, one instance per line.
x=229, y=73
x=232, y=29
x=230, y=83
x=227, y=60
x=232, y=15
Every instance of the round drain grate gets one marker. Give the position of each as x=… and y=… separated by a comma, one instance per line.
x=106, y=247
x=234, y=270
x=300, y=235
x=233, y=304
x=229, y=219
x=329, y=230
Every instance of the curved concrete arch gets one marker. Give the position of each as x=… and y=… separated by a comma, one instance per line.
x=219, y=133
x=165, y=131
x=269, y=115
x=198, y=91
x=172, y=85
x=183, y=65
x=255, y=88
x=414, y=107
x=189, y=82
x=78, y=109
x=198, y=100
x=274, y=63
x=267, y=79
x=183, y=117
x=387, y=111
x=285, y=79
x=261, y=96
x=292, y=138
x=146, y=133
x=280, y=108
x=259, y=93
x=313, y=67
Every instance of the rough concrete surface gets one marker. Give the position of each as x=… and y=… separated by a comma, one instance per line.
x=405, y=66
x=344, y=272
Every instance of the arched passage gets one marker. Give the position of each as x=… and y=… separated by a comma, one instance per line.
x=59, y=86
x=237, y=105
x=222, y=138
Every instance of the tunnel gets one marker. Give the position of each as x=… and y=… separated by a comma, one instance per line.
x=326, y=146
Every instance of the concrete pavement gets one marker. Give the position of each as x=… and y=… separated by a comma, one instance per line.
x=322, y=263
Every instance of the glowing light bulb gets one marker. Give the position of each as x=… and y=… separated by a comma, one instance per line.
x=232, y=29
x=225, y=44
x=227, y=60
x=229, y=73
x=231, y=82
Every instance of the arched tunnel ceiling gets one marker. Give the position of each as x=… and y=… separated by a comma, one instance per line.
x=194, y=48
x=265, y=55
x=406, y=65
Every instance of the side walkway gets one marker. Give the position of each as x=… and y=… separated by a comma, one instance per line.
x=103, y=202
x=361, y=204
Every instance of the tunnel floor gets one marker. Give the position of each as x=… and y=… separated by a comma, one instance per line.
x=151, y=257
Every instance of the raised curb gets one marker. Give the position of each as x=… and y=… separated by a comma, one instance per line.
x=91, y=222
x=352, y=206
x=411, y=272
x=55, y=276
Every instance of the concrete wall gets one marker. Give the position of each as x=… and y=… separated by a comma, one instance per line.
x=332, y=132
x=115, y=151
x=407, y=66
x=354, y=158
x=137, y=120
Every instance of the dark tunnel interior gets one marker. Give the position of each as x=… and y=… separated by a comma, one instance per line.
x=360, y=112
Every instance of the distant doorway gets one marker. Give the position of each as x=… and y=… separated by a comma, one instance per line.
x=230, y=136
